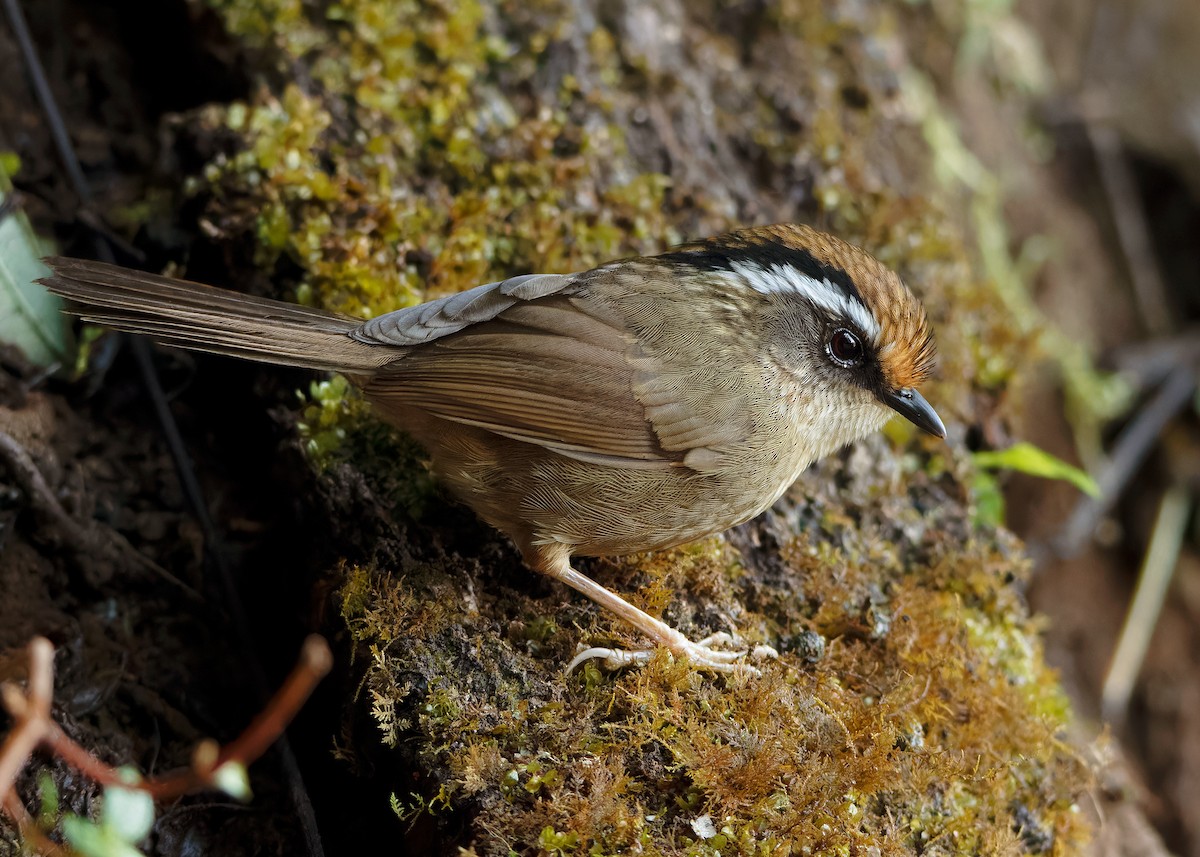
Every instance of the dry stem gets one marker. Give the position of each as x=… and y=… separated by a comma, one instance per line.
x=34, y=728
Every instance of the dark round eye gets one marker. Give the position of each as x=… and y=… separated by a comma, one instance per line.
x=845, y=348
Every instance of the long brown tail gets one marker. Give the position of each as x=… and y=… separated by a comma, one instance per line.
x=203, y=318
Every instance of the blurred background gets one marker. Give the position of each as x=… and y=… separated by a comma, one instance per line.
x=1123, y=114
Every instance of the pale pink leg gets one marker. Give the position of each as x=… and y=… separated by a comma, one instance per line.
x=555, y=562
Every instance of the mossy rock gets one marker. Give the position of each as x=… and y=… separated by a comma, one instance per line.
x=401, y=149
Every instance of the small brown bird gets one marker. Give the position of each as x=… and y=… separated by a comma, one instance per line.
x=633, y=407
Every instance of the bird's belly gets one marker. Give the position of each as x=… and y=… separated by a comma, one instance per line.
x=537, y=496
x=603, y=511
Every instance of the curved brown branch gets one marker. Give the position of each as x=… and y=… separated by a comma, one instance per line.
x=30, y=713
x=33, y=728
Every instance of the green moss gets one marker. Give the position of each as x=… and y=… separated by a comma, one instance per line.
x=433, y=146
x=337, y=428
x=401, y=197
x=925, y=735
x=405, y=173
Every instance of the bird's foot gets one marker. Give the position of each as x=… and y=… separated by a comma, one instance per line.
x=703, y=653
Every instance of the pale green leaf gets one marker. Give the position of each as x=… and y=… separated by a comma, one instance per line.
x=988, y=507
x=31, y=318
x=129, y=813
x=1026, y=458
x=233, y=779
x=93, y=840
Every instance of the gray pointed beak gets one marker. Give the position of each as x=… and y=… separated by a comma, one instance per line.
x=912, y=406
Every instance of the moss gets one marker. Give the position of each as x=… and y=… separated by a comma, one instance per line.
x=430, y=145
x=929, y=725
x=905, y=741
x=337, y=428
x=427, y=182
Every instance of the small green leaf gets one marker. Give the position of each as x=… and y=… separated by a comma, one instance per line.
x=10, y=163
x=126, y=816
x=93, y=840
x=31, y=318
x=48, y=812
x=1026, y=458
x=128, y=813
x=233, y=779
x=989, y=501
x=557, y=843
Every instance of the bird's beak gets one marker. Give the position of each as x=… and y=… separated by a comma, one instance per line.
x=912, y=406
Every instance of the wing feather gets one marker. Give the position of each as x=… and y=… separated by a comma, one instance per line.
x=507, y=357
x=531, y=392
x=440, y=318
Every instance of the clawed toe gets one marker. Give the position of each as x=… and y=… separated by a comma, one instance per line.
x=610, y=659
x=702, y=653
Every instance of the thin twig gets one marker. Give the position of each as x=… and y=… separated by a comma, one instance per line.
x=315, y=663
x=84, y=539
x=1132, y=231
x=1158, y=568
x=30, y=713
x=1130, y=450
x=66, y=153
x=1147, y=363
x=62, y=141
x=183, y=465
x=1118, y=181
x=41, y=86
x=34, y=728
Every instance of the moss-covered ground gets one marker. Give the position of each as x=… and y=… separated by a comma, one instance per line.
x=396, y=150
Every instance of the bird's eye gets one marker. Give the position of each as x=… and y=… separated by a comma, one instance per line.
x=845, y=348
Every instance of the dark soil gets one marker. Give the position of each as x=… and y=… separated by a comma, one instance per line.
x=144, y=669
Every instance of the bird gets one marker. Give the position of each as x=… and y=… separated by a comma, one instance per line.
x=637, y=406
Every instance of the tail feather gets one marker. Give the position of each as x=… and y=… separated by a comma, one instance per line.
x=199, y=317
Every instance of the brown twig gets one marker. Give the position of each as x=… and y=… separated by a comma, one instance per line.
x=34, y=728
x=30, y=712
x=188, y=480
x=1117, y=179
x=28, y=828
x=314, y=663
x=1158, y=567
x=1147, y=364
x=1133, y=233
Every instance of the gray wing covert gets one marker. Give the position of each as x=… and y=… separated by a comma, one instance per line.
x=436, y=319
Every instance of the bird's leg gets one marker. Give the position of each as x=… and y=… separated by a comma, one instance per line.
x=555, y=562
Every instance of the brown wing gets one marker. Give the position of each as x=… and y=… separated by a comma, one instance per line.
x=542, y=373
x=559, y=369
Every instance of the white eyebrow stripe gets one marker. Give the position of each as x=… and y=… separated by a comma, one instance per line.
x=786, y=279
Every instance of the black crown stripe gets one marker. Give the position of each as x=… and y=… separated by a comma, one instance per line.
x=766, y=253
